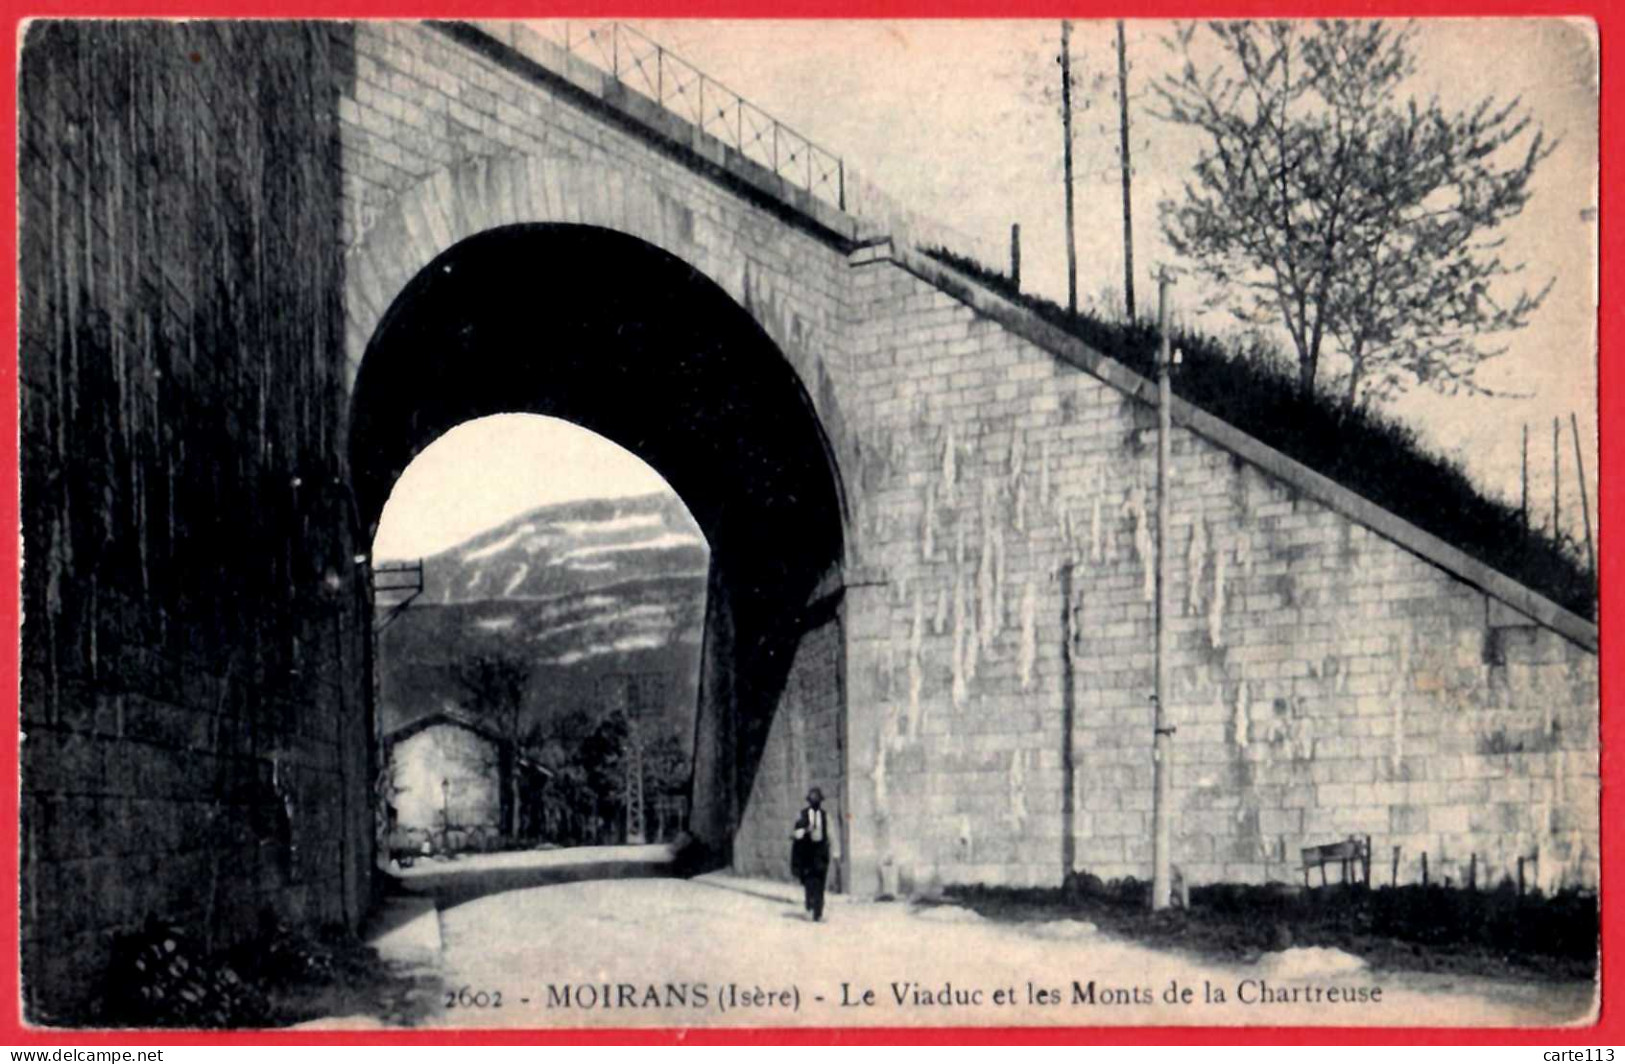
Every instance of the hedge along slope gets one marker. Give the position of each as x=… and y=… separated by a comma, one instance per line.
x=1371, y=454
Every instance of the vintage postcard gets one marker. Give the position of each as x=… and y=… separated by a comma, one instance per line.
x=544, y=525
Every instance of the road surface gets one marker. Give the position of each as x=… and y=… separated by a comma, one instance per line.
x=722, y=950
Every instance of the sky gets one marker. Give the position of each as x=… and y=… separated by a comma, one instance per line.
x=484, y=472
x=956, y=119
x=951, y=117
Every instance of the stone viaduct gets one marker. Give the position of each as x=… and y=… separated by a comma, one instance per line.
x=263, y=265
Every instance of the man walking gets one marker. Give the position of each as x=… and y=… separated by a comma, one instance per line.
x=809, y=851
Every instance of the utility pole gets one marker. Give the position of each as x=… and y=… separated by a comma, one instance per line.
x=1015, y=255
x=1557, y=485
x=1523, y=496
x=1162, y=746
x=636, y=830
x=1585, y=501
x=1128, y=215
x=1066, y=162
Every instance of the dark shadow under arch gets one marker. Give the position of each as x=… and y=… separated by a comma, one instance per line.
x=620, y=337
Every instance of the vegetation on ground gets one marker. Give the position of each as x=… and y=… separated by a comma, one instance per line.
x=163, y=978
x=1408, y=928
x=585, y=800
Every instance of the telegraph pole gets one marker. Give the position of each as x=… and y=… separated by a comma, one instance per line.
x=1015, y=256
x=636, y=832
x=1557, y=485
x=1523, y=497
x=1128, y=215
x=1585, y=502
x=1162, y=746
x=1066, y=163
x=624, y=692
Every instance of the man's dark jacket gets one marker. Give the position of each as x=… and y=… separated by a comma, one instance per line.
x=806, y=856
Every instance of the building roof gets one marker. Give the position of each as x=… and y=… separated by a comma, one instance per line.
x=458, y=718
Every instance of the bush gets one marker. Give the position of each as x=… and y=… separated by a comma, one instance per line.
x=160, y=978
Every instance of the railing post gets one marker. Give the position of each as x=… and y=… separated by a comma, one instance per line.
x=840, y=170
x=660, y=75
x=739, y=123
x=615, y=50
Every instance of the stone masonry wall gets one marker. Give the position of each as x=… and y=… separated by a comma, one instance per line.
x=446, y=777
x=215, y=217
x=441, y=142
x=804, y=750
x=194, y=695
x=998, y=612
x=1325, y=681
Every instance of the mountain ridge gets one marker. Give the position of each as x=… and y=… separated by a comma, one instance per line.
x=582, y=591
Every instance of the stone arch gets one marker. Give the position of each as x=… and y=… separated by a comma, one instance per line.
x=489, y=192
x=624, y=338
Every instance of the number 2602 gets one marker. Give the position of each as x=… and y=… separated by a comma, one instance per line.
x=467, y=998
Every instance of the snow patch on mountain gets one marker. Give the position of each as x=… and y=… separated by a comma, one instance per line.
x=661, y=542
x=626, y=644
x=500, y=545
x=624, y=523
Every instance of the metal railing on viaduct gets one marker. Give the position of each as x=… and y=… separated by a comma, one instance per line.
x=650, y=69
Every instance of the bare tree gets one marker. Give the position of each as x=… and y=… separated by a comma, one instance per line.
x=1341, y=211
x=495, y=688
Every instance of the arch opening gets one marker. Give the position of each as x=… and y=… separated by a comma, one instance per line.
x=610, y=333
x=539, y=596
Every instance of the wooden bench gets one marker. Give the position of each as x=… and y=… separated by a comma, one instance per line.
x=1346, y=855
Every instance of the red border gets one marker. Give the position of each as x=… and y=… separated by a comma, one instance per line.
x=1610, y=1026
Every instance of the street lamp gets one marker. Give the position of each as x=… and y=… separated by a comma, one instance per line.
x=445, y=812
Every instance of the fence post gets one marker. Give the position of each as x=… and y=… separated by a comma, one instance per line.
x=1015, y=255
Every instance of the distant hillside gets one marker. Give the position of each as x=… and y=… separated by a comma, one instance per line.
x=580, y=590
